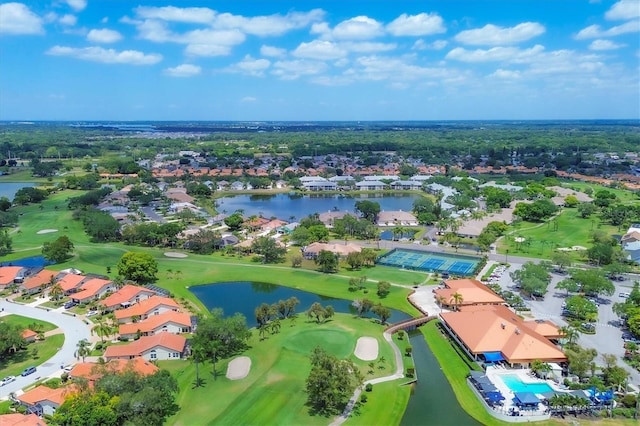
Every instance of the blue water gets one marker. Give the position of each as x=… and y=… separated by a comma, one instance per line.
x=245, y=297
x=9, y=189
x=286, y=206
x=516, y=385
x=28, y=262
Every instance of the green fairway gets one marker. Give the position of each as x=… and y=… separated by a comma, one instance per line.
x=273, y=392
x=541, y=239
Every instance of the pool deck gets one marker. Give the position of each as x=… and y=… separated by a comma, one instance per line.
x=494, y=373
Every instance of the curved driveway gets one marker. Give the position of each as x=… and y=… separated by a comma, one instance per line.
x=74, y=330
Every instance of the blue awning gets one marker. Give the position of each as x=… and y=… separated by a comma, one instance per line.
x=493, y=356
x=526, y=398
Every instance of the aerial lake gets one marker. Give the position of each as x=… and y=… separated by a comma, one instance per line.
x=286, y=206
x=9, y=189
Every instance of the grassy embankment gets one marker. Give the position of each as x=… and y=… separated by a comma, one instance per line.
x=273, y=392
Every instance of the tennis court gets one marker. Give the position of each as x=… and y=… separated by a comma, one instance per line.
x=431, y=262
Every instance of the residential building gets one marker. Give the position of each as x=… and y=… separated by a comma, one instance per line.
x=371, y=185
x=43, y=400
x=17, y=419
x=154, y=305
x=36, y=283
x=92, y=371
x=396, y=218
x=70, y=283
x=92, y=289
x=10, y=275
x=342, y=250
x=406, y=185
x=161, y=346
x=127, y=296
x=166, y=322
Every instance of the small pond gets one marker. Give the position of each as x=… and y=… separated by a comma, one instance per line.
x=27, y=262
x=9, y=189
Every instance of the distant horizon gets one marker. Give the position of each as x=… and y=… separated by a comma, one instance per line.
x=248, y=121
x=319, y=60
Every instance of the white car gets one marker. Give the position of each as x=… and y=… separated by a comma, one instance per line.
x=7, y=380
x=91, y=313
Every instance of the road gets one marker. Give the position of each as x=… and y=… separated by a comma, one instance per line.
x=74, y=330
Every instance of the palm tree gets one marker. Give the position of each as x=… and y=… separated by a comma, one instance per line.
x=570, y=333
x=457, y=300
x=55, y=292
x=198, y=354
x=82, y=349
x=102, y=329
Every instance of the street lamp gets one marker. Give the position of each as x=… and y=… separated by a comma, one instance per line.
x=506, y=256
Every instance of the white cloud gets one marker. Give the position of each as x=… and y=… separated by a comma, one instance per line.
x=292, y=70
x=272, y=25
x=506, y=74
x=423, y=45
x=16, y=18
x=77, y=5
x=319, y=49
x=69, y=20
x=184, y=70
x=104, y=36
x=493, y=35
x=624, y=10
x=248, y=99
x=595, y=31
x=250, y=66
x=273, y=52
x=104, y=20
x=358, y=28
x=416, y=25
x=106, y=56
x=367, y=46
x=601, y=44
x=194, y=15
x=207, y=50
x=400, y=70
x=507, y=54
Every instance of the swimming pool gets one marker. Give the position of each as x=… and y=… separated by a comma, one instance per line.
x=429, y=261
x=514, y=383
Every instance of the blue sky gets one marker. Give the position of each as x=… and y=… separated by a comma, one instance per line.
x=319, y=60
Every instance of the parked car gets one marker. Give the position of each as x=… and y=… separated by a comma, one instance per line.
x=92, y=313
x=27, y=371
x=7, y=380
x=624, y=295
x=70, y=304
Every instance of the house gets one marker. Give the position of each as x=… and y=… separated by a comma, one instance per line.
x=406, y=185
x=371, y=185
x=494, y=332
x=328, y=218
x=91, y=371
x=342, y=250
x=320, y=185
x=126, y=296
x=397, y=218
x=92, y=289
x=43, y=400
x=29, y=336
x=161, y=346
x=631, y=243
x=38, y=282
x=17, y=419
x=70, y=283
x=471, y=291
x=10, y=275
x=376, y=178
x=166, y=322
x=154, y=305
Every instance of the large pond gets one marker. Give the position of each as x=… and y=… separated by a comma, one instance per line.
x=245, y=297
x=9, y=189
x=286, y=206
x=432, y=400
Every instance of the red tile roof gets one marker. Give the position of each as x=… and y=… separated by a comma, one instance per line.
x=17, y=419
x=91, y=288
x=127, y=293
x=156, y=321
x=473, y=292
x=145, y=306
x=70, y=281
x=171, y=341
x=41, y=278
x=93, y=371
x=8, y=274
x=44, y=393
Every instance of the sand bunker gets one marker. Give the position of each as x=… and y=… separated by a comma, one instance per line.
x=46, y=231
x=174, y=254
x=238, y=368
x=367, y=348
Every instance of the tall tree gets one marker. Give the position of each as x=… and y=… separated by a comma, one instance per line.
x=328, y=261
x=138, y=266
x=330, y=383
x=58, y=250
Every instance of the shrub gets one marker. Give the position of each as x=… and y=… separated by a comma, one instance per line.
x=408, y=350
x=363, y=398
x=411, y=372
x=368, y=387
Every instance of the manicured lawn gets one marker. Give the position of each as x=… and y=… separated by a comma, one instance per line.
x=385, y=405
x=25, y=322
x=273, y=392
x=14, y=364
x=572, y=231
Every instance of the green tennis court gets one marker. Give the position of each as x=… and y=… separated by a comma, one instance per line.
x=430, y=262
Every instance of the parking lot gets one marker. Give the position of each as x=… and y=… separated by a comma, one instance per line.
x=608, y=337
